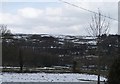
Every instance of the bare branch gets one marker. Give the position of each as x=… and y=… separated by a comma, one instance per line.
x=98, y=25
x=4, y=30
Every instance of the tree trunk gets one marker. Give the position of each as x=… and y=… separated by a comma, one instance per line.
x=20, y=60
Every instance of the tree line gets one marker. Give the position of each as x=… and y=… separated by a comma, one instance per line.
x=36, y=51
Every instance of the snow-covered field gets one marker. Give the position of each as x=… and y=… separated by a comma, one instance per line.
x=46, y=77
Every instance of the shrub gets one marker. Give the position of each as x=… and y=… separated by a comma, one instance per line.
x=114, y=73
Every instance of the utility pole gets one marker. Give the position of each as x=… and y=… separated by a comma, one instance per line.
x=98, y=52
x=98, y=27
x=98, y=46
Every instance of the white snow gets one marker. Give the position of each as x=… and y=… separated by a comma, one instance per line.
x=47, y=77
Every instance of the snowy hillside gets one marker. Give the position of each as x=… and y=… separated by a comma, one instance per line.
x=47, y=77
x=61, y=38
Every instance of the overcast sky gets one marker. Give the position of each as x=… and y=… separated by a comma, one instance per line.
x=55, y=17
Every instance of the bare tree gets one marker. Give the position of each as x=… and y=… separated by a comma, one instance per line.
x=97, y=28
x=4, y=30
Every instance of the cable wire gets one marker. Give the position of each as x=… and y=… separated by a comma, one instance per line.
x=89, y=10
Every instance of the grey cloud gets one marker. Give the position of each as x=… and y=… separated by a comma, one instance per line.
x=70, y=21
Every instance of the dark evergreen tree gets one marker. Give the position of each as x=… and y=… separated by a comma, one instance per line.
x=114, y=73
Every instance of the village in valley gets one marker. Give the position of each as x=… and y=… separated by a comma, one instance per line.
x=59, y=42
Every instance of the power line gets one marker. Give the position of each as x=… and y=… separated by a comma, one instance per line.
x=89, y=10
